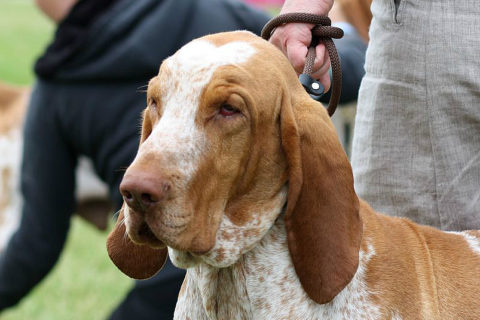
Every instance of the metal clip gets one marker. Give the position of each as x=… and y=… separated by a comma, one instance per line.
x=313, y=87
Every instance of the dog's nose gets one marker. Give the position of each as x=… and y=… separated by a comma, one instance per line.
x=141, y=192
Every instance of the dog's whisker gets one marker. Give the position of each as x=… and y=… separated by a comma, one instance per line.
x=142, y=89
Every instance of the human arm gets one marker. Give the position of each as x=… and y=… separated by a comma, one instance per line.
x=55, y=9
x=22, y=266
x=47, y=184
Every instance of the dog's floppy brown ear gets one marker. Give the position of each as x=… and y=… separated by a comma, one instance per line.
x=136, y=261
x=324, y=228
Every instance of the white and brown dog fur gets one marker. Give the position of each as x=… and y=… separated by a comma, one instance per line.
x=240, y=175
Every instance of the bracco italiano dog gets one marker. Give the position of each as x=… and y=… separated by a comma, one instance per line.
x=241, y=179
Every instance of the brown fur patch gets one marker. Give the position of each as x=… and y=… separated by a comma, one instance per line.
x=13, y=103
x=420, y=272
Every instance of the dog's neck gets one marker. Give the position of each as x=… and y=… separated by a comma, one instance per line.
x=263, y=285
x=214, y=293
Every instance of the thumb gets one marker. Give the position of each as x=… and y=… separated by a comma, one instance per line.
x=296, y=54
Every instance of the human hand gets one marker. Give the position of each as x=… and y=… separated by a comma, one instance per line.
x=55, y=9
x=294, y=38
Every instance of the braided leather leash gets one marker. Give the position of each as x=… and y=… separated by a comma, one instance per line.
x=321, y=32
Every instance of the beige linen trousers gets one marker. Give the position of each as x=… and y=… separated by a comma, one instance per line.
x=416, y=145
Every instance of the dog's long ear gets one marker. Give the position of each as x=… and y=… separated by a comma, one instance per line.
x=136, y=261
x=324, y=228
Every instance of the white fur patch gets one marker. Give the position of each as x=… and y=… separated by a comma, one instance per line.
x=472, y=241
x=10, y=196
x=201, y=58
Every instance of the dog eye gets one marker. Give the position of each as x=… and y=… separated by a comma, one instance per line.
x=228, y=110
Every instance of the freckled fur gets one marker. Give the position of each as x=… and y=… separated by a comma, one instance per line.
x=280, y=296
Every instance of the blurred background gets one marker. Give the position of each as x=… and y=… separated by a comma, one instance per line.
x=84, y=284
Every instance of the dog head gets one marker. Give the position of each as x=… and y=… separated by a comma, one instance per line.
x=229, y=139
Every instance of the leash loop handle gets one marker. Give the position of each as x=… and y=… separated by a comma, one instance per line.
x=322, y=32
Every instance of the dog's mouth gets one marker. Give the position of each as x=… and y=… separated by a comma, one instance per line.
x=152, y=231
x=161, y=229
x=146, y=236
x=140, y=232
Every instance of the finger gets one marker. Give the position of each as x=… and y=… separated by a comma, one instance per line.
x=293, y=39
x=322, y=73
x=324, y=79
x=321, y=65
x=324, y=68
x=321, y=57
x=296, y=53
x=277, y=38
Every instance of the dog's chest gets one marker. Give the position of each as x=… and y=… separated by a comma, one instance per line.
x=264, y=285
x=214, y=294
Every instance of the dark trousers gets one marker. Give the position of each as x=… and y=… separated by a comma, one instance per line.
x=154, y=298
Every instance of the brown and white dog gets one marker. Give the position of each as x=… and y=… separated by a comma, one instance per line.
x=91, y=193
x=241, y=178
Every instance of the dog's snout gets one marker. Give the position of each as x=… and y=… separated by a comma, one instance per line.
x=141, y=192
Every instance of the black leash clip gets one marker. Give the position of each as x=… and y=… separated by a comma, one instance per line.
x=313, y=87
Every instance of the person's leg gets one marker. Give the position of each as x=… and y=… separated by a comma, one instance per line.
x=47, y=180
x=152, y=299
x=392, y=149
x=414, y=151
x=453, y=93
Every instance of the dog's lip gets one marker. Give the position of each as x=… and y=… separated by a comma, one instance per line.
x=156, y=233
x=145, y=236
x=149, y=237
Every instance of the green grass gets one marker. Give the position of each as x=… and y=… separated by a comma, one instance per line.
x=84, y=284
x=24, y=32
